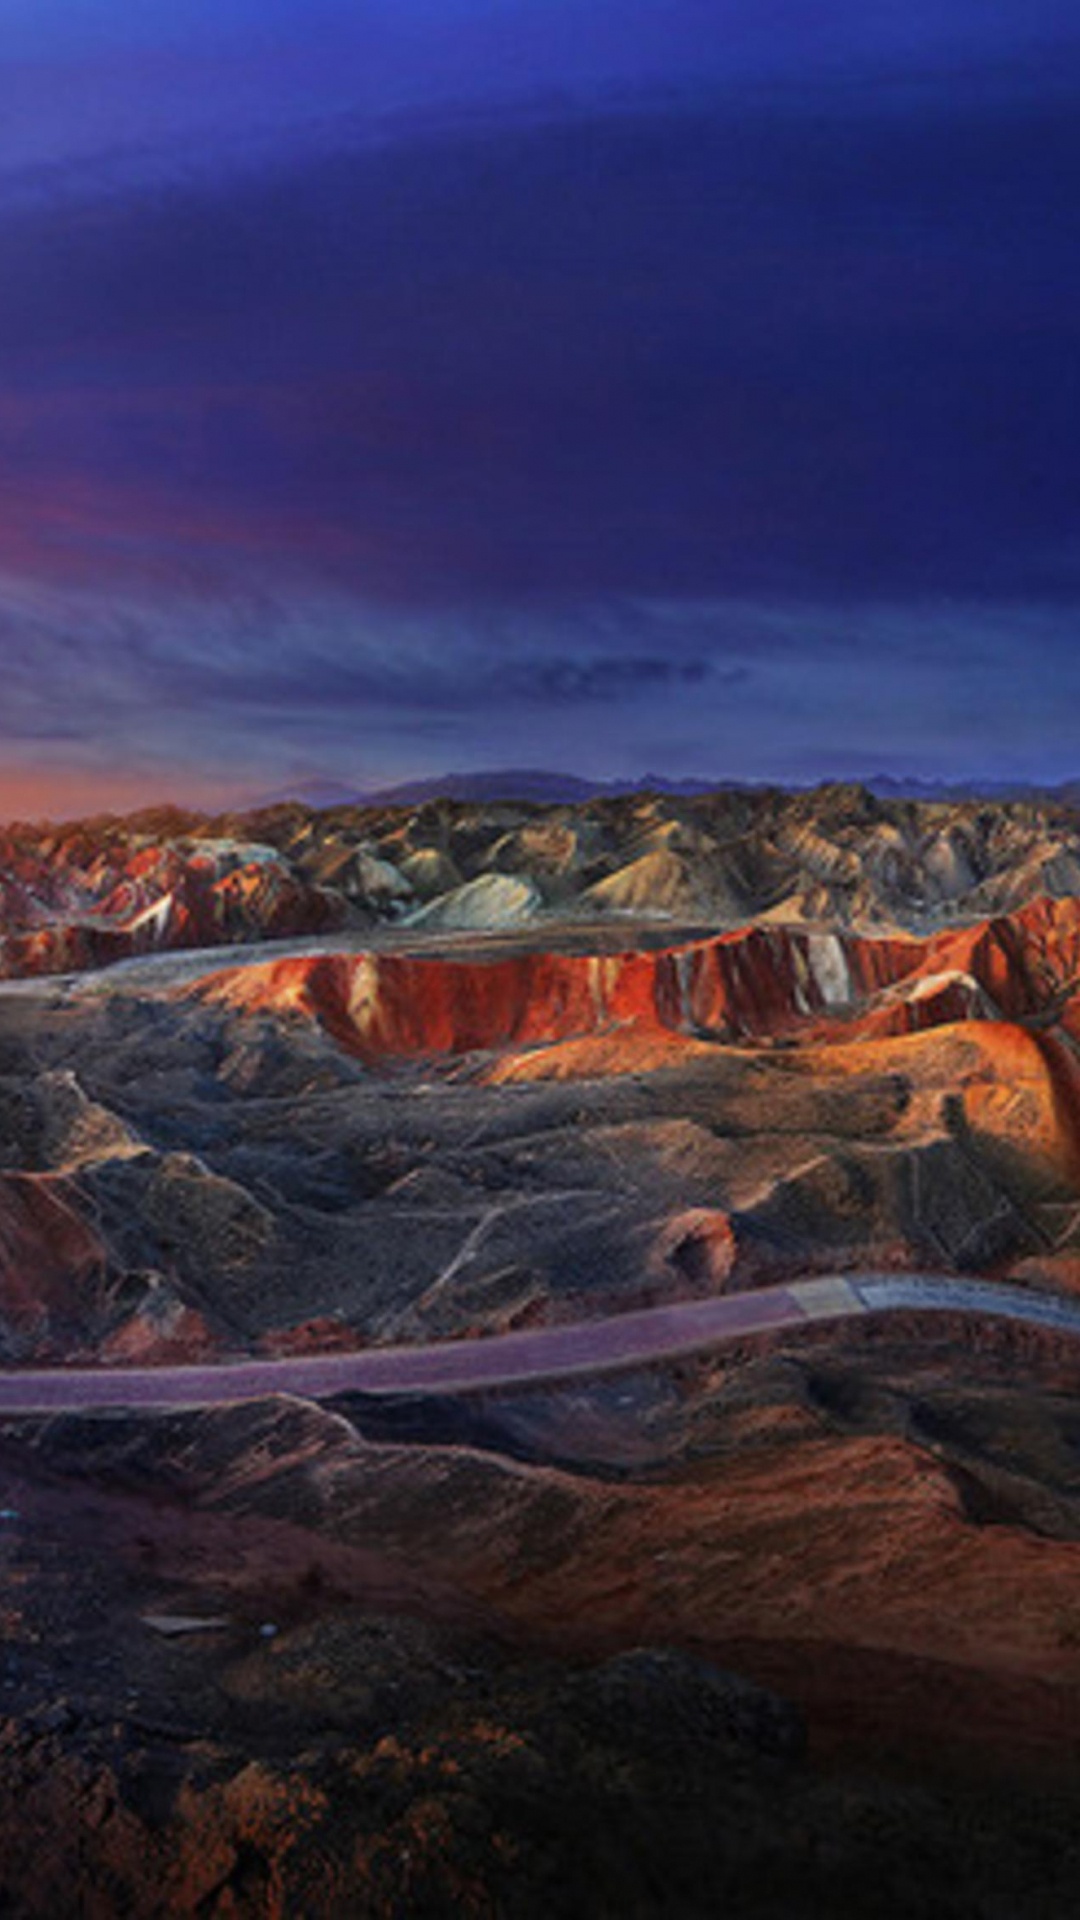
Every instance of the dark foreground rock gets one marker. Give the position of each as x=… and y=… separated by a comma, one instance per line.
x=649, y=1786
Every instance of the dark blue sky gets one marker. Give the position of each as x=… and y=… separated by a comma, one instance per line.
x=389, y=388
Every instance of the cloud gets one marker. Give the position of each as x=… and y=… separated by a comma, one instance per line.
x=87, y=74
x=723, y=438
x=248, y=675
x=249, y=684
x=565, y=680
x=696, y=352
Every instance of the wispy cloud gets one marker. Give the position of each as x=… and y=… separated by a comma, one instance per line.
x=733, y=436
x=259, y=681
x=674, y=354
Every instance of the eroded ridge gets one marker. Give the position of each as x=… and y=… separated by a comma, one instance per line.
x=753, y=984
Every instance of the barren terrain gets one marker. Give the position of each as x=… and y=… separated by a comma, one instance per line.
x=785, y=1627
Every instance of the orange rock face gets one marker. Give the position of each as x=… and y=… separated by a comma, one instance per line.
x=68, y=904
x=757, y=984
x=985, y=1014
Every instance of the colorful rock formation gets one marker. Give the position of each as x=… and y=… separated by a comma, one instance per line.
x=70, y=901
x=758, y=984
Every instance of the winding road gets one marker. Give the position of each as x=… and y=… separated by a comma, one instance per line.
x=540, y=1357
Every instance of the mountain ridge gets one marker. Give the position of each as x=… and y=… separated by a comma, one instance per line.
x=544, y=785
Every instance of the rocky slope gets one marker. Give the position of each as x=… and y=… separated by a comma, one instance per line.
x=342, y=1146
x=837, y=854
x=759, y=983
x=792, y=1635
x=84, y=894
x=91, y=894
x=789, y=1632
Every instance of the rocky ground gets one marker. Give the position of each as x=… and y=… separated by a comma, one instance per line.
x=91, y=892
x=797, y=1635
x=305, y=1152
x=791, y=1631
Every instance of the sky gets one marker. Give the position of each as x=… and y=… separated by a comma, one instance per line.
x=390, y=387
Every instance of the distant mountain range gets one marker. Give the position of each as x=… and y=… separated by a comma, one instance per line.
x=887, y=788
x=508, y=783
x=553, y=789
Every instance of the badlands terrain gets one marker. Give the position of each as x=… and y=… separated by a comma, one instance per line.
x=785, y=1626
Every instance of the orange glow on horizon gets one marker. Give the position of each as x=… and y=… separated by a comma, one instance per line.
x=59, y=794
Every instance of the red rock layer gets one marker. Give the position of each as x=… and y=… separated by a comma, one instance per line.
x=755, y=984
x=392, y=1006
x=67, y=906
